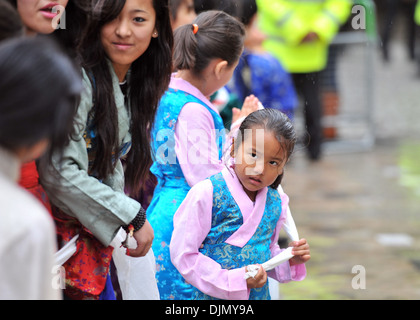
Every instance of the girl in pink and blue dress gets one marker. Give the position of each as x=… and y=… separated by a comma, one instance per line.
x=232, y=220
x=188, y=133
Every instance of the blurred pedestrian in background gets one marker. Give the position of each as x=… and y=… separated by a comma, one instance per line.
x=182, y=12
x=417, y=22
x=299, y=34
x=229, y=6
x=259, y=72
x=390, y=9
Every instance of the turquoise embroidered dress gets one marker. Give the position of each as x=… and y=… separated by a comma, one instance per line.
x=171, y=189
x=226, y=220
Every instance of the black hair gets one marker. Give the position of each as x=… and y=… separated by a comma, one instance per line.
x=248, y=9
x=149, y=79
x=10, y=23
x=275, y=121
x=243, y=10
x=219, y=36
x=40, y=91
x=173, y=8
x=231, y=7
x=13, y=3
x=77, y=15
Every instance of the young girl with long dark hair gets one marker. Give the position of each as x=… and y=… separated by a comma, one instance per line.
x=232, y=220
x=126, y=59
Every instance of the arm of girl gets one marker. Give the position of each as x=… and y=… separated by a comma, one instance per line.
x=101, y=207
x=196, y=148
x=286, y=271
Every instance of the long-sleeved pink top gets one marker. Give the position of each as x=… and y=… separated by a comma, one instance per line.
x=192, y=223
x=195, y=146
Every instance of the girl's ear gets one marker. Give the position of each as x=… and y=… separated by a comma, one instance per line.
x=155, y=33
x=220, y=68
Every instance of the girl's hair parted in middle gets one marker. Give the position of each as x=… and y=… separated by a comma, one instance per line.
x=149, y=79
x=219, y=36
x=275, y=121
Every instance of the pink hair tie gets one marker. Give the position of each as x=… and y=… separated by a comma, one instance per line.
x=195, y=28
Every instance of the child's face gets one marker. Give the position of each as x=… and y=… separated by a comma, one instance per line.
x=40, y=16
x=127, y=37
x=185, y=14
x=259, y=160
x=254, y=36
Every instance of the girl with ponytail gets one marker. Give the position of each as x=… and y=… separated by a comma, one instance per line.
x=188, y=134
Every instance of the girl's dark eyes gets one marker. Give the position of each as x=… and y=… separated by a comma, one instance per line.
x=138, y=19
x=274, y=163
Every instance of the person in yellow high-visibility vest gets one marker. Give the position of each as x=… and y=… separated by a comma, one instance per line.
x=299, y=33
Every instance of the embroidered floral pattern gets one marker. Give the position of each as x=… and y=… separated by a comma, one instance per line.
x=226, y=220
x=171, y=190
x=87, y=270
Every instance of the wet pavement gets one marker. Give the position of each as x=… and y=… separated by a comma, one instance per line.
x=360, y=210
x=355, y=211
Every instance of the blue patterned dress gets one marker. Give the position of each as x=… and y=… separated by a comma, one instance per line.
x=226, y=220
x=171, y=189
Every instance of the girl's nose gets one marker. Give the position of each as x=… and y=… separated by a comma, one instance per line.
x=123, y=29
x=258, y=168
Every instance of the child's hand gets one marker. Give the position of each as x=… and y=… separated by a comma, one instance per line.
x=301, y=252
x=310, y=37
x=250, y=105
x=259, y=280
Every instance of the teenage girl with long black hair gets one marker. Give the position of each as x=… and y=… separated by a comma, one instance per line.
x=126, y=59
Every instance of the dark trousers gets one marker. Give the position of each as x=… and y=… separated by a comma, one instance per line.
x=309, y=87
x=391, y=9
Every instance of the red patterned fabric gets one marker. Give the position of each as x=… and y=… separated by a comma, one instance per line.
x=87, y=270
x=29, y=179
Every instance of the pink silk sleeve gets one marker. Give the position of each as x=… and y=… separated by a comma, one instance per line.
x=284, y=273
x=195, y=144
